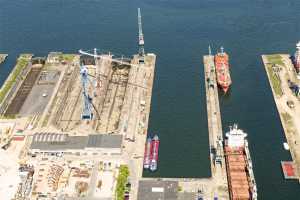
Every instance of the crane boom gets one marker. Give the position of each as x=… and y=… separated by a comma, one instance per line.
x=141, y=35
x=121, y=62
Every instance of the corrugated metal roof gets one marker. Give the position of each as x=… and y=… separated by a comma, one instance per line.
x=104, y=141
x=52, y=142
x=57, y=141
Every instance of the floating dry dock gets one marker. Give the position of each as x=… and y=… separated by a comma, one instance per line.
x=281, y=73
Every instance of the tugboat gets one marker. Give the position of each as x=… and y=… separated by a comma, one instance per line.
x=222, y=70
x=154, y=154
x=241, y=181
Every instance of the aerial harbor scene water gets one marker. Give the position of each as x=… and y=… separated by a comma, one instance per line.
x=149, y=100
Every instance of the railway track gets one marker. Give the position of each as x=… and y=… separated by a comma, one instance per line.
x=21, y=95
x=63, y=101
x=73, y=110
x=120, y=96
x=109, y=91
x=112, y=94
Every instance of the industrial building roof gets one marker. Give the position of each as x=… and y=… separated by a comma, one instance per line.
x=58, y=141
x=158, y=190
x=105, y=141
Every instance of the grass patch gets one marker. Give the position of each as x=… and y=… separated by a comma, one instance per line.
x=121, y=182
x=275, y=59
x=22, y=62
x=275, y=80
x=288, y=121
x=67, y=57
x=287, y=118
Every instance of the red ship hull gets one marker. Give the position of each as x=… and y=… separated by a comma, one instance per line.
x=154, y=154
x=148, y=153
x=222, y=71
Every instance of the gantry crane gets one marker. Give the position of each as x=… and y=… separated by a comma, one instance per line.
x=87, y=100
x=87, y=113
x=121, y=61
x=141, y=37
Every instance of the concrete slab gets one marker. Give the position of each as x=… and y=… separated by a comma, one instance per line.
x=39, y=95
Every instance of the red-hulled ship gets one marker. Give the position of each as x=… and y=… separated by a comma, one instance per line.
x=241, y=181
x=154, y=155
x=148, y=152
x=222, y=70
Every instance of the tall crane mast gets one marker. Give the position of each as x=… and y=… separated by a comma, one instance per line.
x=141, y=36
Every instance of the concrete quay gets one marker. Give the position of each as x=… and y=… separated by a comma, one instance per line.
x=218, y=169
x=280, y=71
x=136, y=116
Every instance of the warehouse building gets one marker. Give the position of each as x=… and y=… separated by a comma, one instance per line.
x=59, y=144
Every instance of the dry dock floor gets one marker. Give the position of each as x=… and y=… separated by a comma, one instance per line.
x=279, y=70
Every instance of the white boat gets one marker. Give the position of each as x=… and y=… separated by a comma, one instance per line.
x=286, y=146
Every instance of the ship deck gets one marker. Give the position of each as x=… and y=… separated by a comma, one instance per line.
x=238, y=180
x=289, y=170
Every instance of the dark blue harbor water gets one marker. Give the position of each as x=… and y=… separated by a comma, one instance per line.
x=179, y=33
